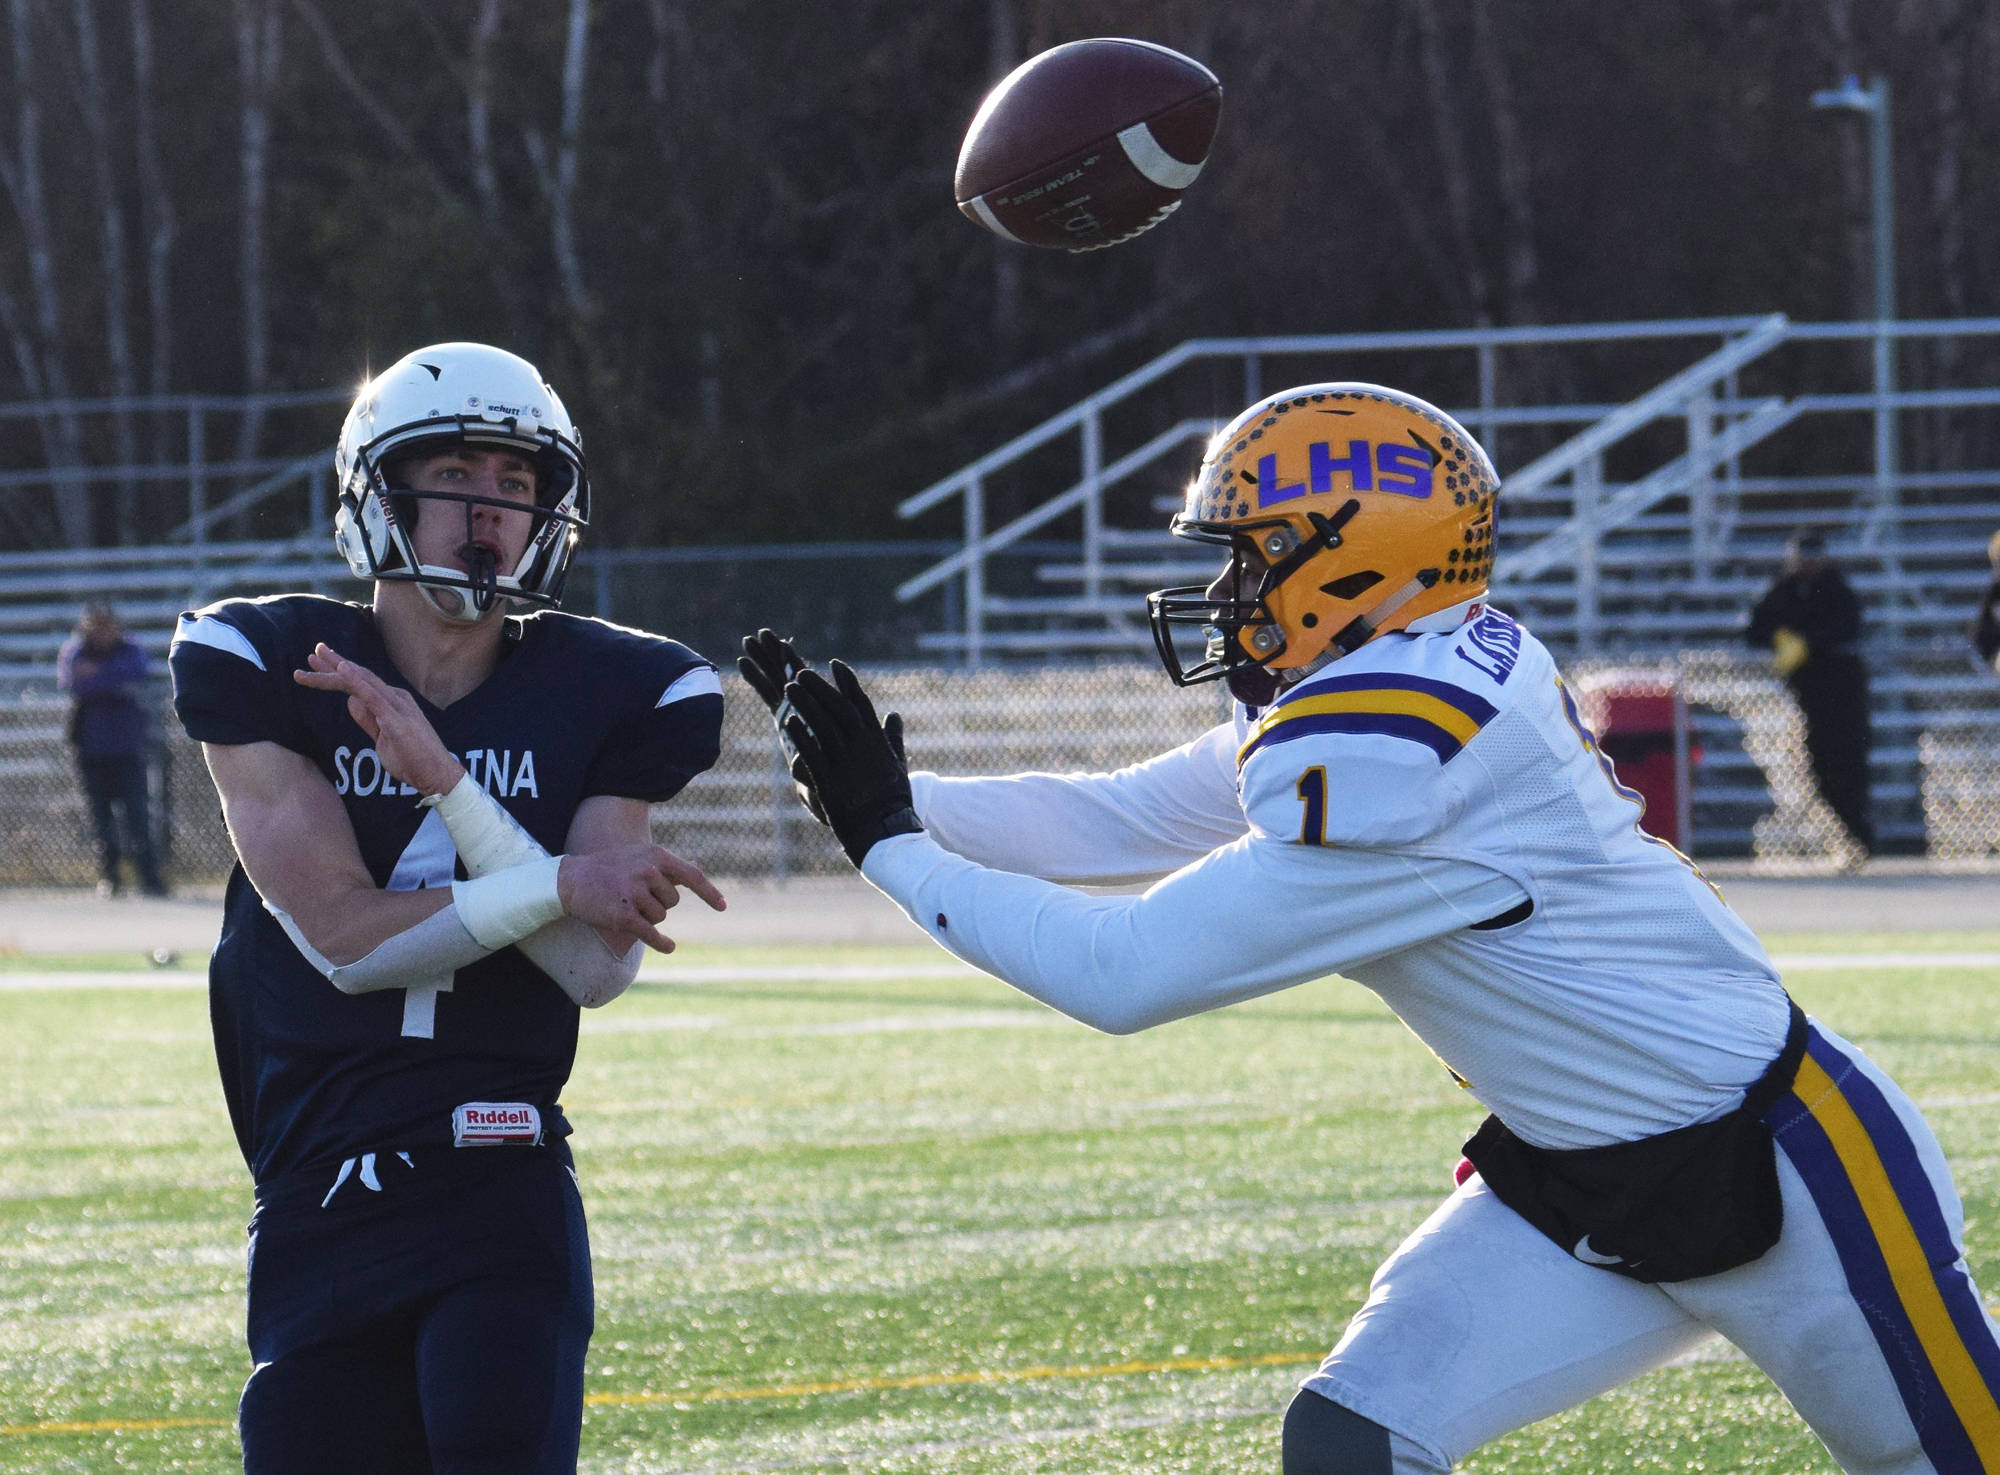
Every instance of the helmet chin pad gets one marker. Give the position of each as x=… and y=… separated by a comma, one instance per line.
x=1254, y=686
x=453, y=602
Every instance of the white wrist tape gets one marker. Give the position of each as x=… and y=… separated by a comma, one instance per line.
x=575, y=956
x=488, y=838
x=436, y=947
x=505, y=906
x=491, y=842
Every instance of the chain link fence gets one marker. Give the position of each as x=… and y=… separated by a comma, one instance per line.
x=1752, y=792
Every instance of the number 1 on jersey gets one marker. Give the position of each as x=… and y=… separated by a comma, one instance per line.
x=1312, y=794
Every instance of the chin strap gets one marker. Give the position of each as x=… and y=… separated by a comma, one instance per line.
x=1243, y=683
x=1361, y=629
x=484, y=574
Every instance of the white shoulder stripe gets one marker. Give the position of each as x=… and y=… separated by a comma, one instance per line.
x=209, y=631
x=699, y=682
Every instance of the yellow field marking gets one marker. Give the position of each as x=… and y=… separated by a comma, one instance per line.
x=952, y=1380
x=984, y=1377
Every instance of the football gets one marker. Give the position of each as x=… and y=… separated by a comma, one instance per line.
x=1088, y=144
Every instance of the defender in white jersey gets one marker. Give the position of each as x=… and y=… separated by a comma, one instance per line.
x=1406, y=797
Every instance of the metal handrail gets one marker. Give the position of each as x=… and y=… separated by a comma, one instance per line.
x=1663, y=399
x=1055, y=507
x=1249, y=347
x=1722, y=425
x=1568, y=536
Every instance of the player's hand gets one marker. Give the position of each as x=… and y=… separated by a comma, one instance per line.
x=855, y=759
x=768, y=663
x=629, y=889
x=409, y=746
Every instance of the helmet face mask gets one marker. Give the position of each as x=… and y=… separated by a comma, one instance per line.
x=1349, y=511
x=450, y=396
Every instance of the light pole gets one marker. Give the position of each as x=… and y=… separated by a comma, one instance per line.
x=1874, y=101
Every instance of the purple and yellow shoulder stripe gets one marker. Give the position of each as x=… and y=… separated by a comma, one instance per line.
x=1441, y=716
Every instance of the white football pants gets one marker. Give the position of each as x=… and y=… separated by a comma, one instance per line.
x=1863, y=1313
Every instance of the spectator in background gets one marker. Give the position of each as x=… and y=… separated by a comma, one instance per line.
x=104, y=671
x=1985, y=630
x=1810, y=621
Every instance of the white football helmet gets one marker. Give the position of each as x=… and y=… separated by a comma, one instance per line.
x=458, y=393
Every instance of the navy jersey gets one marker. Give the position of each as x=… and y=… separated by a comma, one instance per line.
x=574, y=708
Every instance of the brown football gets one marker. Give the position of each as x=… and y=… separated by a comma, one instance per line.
x=1088, y=144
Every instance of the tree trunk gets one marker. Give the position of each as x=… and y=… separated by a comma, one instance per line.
x=562, y=198
x=36, y=531
x=1002, y=53
x=557, y=172
x=21, y=176
x=257, y=66
x=674, y=50
x=1512, y=174
x=479, y=113
x=156, y=219
x=91, y=104
x=1452, y=162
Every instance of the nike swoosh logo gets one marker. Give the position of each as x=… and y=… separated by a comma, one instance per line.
x=1585, y=1253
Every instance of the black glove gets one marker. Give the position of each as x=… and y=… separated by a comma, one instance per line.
x=855, y=761
x=767, y=663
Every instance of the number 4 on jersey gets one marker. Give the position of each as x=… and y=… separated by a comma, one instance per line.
x=430, y=859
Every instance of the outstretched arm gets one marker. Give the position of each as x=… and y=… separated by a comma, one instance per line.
x=1248, y=919
x=1137, y=823
x=1256, y=915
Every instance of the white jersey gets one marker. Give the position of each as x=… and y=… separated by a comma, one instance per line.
x=1368, y=825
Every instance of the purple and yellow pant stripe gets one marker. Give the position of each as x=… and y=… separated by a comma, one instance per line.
x=1901, y=1259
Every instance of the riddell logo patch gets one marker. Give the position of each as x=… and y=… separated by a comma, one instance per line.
x=496, y=1124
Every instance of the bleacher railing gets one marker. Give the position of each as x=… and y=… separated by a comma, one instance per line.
x=1721, y=424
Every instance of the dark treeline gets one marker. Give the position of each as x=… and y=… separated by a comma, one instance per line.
x=725, y=229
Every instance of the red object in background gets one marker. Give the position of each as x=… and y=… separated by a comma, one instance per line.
x=1641, y=724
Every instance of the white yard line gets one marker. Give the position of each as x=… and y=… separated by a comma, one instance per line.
x=1811, y=962
x=944, y=968
x=13, y=983
x=890, y=1024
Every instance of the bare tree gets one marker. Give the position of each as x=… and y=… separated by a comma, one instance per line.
x=42, y=347
x=1003, y=51
x=94, y=109
x=156, y=215
x=257, y=53
x=1452, y=160
x=557, y=169
x=479, y=113
x=1511, y=173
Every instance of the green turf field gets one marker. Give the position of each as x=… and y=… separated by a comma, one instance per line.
x=854, y=1209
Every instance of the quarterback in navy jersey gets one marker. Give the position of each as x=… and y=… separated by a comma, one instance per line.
x=1405, y=796
x=440, y=810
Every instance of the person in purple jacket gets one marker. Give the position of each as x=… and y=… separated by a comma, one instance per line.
x=104, y=671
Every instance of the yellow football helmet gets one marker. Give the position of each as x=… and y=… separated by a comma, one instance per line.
x=1349, y=511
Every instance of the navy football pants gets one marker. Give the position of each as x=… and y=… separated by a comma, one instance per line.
x=436, y=1324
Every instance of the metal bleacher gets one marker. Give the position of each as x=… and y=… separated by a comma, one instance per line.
x=1652, y=474
x=1632, y=531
